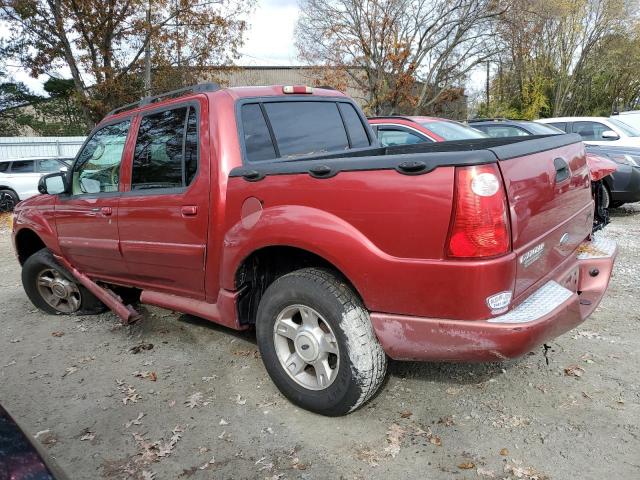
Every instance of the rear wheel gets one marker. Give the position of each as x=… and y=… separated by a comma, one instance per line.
x=8, y=200
x=317, y=342
x=52, y=289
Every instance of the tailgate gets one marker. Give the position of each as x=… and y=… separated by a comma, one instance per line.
x=551, y=209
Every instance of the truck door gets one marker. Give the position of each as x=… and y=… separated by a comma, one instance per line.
x=87, y=217
x=163, y=216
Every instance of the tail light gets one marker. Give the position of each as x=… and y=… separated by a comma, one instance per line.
x=479, y=225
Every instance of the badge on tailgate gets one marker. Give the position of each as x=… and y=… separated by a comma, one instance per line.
x=532, y=255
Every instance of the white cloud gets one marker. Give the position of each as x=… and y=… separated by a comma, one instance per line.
x=270, y=39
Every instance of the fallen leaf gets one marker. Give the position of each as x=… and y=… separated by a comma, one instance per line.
x=394, y=437
x=194, y=400
x=405, y=414
x=69, y=371
x=485, y=472
x=504, y=452
x=467, y=465
x=57, y=334
x=574, y=371
x=139, y=348
x=209, y=463
x=135, y=421
x=88, y=436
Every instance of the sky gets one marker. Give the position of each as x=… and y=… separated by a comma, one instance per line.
x=269, y=41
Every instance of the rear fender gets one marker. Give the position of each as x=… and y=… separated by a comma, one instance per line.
x=306, y=228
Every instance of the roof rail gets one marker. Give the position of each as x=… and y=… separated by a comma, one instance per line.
x=397, y=117
x=199, y=88
x=497, y=119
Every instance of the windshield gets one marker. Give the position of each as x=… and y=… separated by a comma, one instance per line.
x=452, y=130
x=626, y=129
x=628, y=121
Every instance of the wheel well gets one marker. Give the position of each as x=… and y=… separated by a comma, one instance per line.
x=262, y=267
x=27, y=243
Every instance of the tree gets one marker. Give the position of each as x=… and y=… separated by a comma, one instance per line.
x=404, y=54
x=562, y=57
x=102, y=42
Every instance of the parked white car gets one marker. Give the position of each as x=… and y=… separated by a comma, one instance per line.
x=19, y=177
x=631, y=118
x=598, y=130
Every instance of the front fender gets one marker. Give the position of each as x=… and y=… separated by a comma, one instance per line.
x=38, y=215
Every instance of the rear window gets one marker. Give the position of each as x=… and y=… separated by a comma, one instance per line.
x=4, y=166
x=452, y=130
x=300, y=128
x=559, y=125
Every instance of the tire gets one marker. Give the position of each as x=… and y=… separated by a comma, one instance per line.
x=354, y=362
x=8, y=200
x=60, y=283
x=606, y=197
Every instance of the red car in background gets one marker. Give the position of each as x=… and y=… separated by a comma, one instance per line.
x=397, y=130
x=400, y=130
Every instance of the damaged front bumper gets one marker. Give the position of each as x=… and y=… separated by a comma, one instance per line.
x=562, y=303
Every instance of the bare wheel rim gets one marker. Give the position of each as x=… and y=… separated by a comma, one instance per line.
x=57, y=291
x=306, y=347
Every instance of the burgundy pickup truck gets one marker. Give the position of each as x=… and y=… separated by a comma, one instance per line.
x=276, y=207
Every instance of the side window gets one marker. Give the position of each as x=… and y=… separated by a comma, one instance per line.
x=306, y=128
x=257, y=140
x=98, y=166
x=23, y=166
x=357, y=133
x=590, y=130
x=389, y=137
x=46, y=165
x=4, y=167
x=166, y=154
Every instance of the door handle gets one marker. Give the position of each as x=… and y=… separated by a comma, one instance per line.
x=189, y=210
x=106, y=211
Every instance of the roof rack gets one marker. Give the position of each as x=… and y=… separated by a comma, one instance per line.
x=199, y=88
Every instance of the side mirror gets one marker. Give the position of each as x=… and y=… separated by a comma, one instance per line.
x=610, y=135
x=53, y=184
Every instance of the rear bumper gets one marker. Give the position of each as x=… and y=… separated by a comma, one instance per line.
x=549, y=312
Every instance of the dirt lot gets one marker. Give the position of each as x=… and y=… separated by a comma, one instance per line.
x=199, y=403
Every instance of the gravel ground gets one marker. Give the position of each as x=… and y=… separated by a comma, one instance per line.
x=199, y=403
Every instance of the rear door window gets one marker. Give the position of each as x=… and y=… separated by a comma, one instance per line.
x=23, y=166
x=4, y=167
x=257, y=139
x=166, y=154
